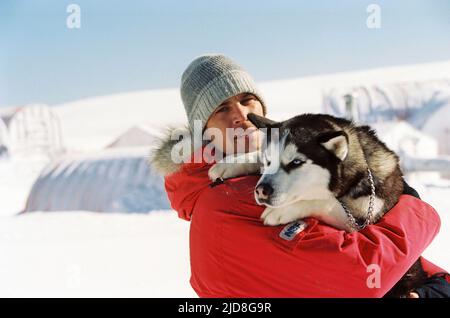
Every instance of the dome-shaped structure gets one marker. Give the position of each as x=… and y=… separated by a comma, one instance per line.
x=115, y=180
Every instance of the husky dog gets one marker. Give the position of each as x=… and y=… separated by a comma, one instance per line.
x=328, y=168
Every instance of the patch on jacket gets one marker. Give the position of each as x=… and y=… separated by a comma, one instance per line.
x=292, y=229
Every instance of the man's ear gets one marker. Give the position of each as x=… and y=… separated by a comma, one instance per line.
x=260, y=122
x=336, y=142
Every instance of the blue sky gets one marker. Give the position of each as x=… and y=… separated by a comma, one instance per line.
x=134, y=45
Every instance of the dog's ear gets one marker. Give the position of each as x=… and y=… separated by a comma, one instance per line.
x=260, y=122
x=336, y=142
x=269, y=127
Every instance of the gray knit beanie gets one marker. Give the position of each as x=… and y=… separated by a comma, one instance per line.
x=211, y=79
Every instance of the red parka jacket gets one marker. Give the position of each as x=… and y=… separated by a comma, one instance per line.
x=234, y=255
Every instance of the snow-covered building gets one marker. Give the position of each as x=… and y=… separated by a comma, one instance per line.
x=33, y=129
x=414, y=148
x=414, y=102
x=139, y=135
x=438, y=126
x=403, y=138
x=113, y=180
x=3, y=139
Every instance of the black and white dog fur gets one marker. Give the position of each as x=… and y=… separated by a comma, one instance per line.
x=320, y=164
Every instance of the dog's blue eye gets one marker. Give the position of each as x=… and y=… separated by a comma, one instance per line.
x=296, y=163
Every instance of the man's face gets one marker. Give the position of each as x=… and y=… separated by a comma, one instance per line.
x=232, y=113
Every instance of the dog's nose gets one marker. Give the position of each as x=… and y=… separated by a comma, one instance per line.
x=263, y=191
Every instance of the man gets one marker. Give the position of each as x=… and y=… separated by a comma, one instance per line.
x=233, y=254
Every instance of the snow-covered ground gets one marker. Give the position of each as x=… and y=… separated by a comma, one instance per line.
x=81, y=253
x=88, y=254
x=84, y=254
x=16, y=179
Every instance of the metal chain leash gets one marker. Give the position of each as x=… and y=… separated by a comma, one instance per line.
x=350, y=216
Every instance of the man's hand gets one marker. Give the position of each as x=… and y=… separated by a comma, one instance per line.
x=329, y=211
x=235, y=165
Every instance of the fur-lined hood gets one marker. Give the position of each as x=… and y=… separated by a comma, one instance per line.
x=160, y=155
